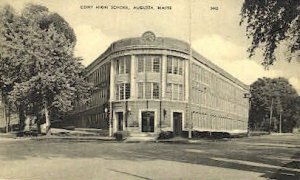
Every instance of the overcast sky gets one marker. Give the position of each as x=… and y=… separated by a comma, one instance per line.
x=215, y=34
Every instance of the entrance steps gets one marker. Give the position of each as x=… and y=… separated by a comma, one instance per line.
x=141, y=137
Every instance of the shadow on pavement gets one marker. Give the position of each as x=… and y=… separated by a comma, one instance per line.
x=285, y=174
x=208, y=154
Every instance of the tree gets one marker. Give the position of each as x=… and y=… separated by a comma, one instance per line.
x=50, y=78
x=269, y=23
x=275, y=95
x=9, y=57
x=293, y=113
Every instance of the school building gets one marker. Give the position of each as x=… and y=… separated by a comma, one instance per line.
x=150, y=84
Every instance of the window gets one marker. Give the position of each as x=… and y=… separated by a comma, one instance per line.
x=127, y=64
x=169, y=65
x=180, y=92
x=174, y=65
x=141, y=90
x=140, y=64
x=127, y=91
x=180, y=67
x=149, y=63
x=169, y=91
x=156, y=65
x=155, y=91
x=148, y=90
x=118, y=92
x=174, y=91
x=123, y=91
x=123, y=65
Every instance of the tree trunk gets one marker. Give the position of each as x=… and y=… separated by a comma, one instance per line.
x=5, y=117
x=8, y=118
x=47, y=116
x=21, y=118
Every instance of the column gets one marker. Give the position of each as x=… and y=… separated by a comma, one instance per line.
x=133, y=86
x=163, y=76
x=111, y=96
x=187, y=84
x=112, y=80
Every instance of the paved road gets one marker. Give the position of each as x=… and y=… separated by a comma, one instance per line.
x=265, y=157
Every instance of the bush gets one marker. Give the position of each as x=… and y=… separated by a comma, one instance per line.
x=70, y=128
x=120, y=135
x=201, y=134
x=220, y=135
x=165, y=135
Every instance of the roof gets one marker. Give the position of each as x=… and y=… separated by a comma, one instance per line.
x=150, y=41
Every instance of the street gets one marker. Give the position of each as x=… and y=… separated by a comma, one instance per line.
x=261, y=157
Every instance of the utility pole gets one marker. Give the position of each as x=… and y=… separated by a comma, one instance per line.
x=271, y=113
x=126, y=114
x=280, y=121
x=189, y=74
x=248, y=96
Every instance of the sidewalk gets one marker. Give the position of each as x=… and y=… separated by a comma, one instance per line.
x=75, y=138
x=91, y=137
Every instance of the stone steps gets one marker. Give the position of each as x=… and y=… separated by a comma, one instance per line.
x=141, y=137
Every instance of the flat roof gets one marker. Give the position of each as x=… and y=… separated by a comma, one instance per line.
x=149, y=41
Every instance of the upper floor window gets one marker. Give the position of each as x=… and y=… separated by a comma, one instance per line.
x=156, y=64
x=123, y=64
x=175, y=65
x=148, y=63
x=148, y=90
x=174, y=91
x=169, y=91
x=122, y=91
x=155, y=92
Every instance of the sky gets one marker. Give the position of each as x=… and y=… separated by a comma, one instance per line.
x=211, y=26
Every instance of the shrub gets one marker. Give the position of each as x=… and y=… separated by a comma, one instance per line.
x=165, y=135
x=120, y=135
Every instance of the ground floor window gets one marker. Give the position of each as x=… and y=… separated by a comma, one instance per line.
x=148, y=121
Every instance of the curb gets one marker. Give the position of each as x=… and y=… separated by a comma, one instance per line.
x=74, y=138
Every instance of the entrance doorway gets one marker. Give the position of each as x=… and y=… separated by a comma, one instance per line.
x=177, y=123
x=120, y=121
x=148, y=121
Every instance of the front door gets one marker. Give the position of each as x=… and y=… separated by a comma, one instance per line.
x=120, y=121
x=148, y=121
x=177, y=123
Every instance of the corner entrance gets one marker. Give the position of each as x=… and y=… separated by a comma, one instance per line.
x=177, y=123
x=148, y=121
